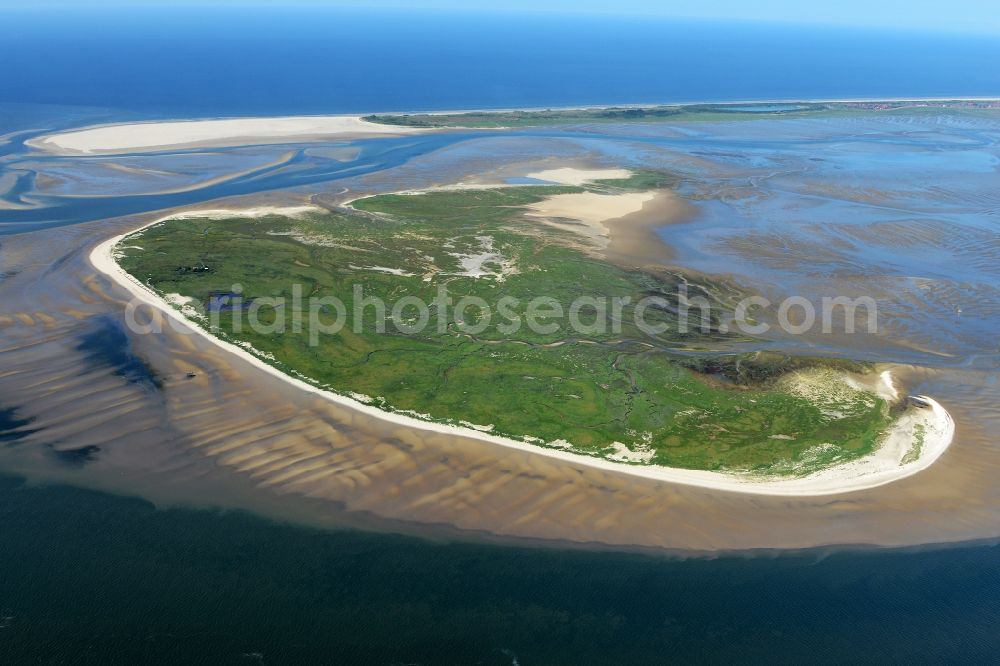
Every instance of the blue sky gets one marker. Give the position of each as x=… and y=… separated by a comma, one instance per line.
x=934, y=15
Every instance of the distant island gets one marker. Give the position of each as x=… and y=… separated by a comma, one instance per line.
x=668, y=112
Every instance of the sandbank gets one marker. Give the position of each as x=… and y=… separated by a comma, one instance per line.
x=154, y=136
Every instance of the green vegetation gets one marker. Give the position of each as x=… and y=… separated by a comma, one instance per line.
x=920, y=436
x=486, y=119
x=676, y=398
x=664, y=113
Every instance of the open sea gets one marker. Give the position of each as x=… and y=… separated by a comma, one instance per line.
x=259, y=61
x=91, y=578
x=87, y=577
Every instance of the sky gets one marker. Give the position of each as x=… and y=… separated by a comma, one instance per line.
x=978, y=16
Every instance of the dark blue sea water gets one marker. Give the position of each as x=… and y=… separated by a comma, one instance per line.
x=95, y=579
x=213, y=62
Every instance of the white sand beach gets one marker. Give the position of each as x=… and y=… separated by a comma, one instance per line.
x=153, y=136
x=925, y=421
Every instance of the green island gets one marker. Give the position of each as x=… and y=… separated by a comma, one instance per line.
x=676, y=398
x=670, y=113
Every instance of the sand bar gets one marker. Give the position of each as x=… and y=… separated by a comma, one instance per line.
x=154, y=136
